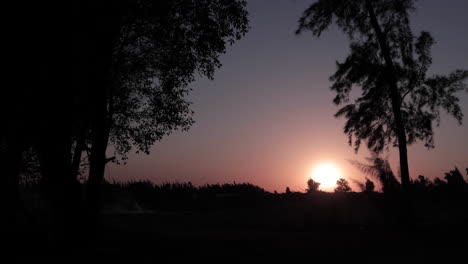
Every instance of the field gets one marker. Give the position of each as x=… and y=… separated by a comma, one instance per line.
x=321, y=226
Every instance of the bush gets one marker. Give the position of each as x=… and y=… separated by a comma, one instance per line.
x=342, y=185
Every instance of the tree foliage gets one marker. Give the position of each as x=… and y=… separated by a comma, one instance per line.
x=400, y=103
x=455, y=177
x=369, y=186
x=312, y=186
x=342, y=185
x=422, y=97
x=380, y=170
x=160, y=48
x=105, y=71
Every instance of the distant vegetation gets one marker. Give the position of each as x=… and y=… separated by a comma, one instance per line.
x=342, y=185
x=145, y=195
x=183, y=196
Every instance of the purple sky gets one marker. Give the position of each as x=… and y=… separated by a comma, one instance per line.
x=267, y=118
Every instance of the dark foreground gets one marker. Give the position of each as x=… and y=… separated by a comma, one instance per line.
x=331, y=228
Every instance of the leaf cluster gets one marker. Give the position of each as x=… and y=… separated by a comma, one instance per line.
x=370, y=117
x=161, y=48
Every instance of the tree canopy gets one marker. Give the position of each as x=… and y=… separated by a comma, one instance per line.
x=400, y=102
x=379, y=169
x=105, y=72
x=312, y=186
x=342, y=185
x=156, y=57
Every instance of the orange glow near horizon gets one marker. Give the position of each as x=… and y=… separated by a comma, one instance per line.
x=326, y=174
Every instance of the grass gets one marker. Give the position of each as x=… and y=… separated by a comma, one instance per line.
x=242, y=221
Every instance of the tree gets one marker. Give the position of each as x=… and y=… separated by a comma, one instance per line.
x=148, y=54
x=155, y=60
x=342, y=185
x=439, y=184
x=366, y=187
x=312, y=186
x=455, y=180
x=370, y=186
x=422, y=184
x=106, y=71
x=379, y=169
x=399, y=104
x=40, y=110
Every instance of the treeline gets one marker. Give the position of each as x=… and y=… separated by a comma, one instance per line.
x=146, y=195
x=453, y=182
x=141, y=196
x=184, y=196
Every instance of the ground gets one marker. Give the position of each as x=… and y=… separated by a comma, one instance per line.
x=305, y=228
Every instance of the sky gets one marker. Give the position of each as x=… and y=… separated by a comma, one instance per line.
x=267, y=117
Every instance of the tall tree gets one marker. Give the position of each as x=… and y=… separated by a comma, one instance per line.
x=39, y=107
x=399, y=104
x=148, y=52
x=100, y=70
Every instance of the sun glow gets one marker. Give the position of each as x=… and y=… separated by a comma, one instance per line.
x=326, y=174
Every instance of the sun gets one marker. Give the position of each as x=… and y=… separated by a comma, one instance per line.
x=326, y=174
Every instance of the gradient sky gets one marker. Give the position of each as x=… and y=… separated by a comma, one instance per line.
x=267, y=118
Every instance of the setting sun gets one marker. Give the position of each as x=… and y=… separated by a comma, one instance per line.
x=326, y=174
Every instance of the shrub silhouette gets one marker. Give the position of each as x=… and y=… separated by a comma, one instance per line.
x=454, y=177
x=455, y=181
x=370, y=186
x=342, y=185
x=367, y=187
x=312, y=186
x=422, y=185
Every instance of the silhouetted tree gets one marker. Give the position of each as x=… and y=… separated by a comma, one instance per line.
x=439, y=184
x=312, y=186
x=399, y=103
x=342, y=185
x=380, y=169
x=105, y=71
x=369, y=187
x=40, y=110
x=148, y=54
x=156, y=57
x=288, y=191
x=454, y=177
x=422, y=184
x=455, y=180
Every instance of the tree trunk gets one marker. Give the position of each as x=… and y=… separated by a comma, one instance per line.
x=100, y=135
x=395, y=98
x=104, y=34
x=77, y=152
